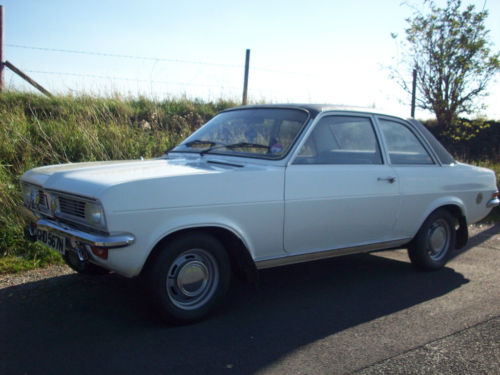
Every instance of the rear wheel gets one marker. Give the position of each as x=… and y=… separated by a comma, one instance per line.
x=189, y=277
x=431, y=247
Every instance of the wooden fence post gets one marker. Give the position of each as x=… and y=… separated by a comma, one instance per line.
x=1, y=50
x=28, y=79
x=245, y=81
x=413, y=93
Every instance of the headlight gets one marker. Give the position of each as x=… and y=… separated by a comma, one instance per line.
x=28, y=191
x=94, y=214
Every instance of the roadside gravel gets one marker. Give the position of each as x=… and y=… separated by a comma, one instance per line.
x=15, y=279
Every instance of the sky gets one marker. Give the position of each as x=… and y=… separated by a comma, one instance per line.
x=314, y=51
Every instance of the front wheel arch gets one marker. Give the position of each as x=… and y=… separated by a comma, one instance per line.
x=242, y=263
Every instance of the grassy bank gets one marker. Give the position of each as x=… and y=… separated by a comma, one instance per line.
x=35, y=131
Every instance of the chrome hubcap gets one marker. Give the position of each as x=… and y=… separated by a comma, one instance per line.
x=438, y=239
x=192, y=279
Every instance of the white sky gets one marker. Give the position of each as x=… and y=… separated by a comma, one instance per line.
x=316, y=51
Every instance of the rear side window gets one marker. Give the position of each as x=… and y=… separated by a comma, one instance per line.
x=443, y=155
x=341, y=140
x=403, y=146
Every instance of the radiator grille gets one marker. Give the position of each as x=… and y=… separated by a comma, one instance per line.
x=72, y=207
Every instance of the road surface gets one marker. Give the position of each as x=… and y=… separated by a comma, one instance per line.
x=368, y=314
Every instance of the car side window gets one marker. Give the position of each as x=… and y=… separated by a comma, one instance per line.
x=341, y=140
x=402, y=144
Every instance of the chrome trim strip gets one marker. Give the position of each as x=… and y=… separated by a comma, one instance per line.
x=71, y=196
x=493, y=203
x=308, y=257
x=118, y=240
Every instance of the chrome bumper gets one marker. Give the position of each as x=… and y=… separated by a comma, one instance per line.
x=493, y=203
x=112, y=241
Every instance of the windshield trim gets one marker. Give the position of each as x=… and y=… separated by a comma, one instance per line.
x=254, y=156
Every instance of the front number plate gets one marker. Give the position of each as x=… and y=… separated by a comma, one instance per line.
x=52, y=240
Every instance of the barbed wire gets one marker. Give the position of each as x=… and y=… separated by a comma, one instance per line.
x=151, y=58
x=133, y=57
x=128, y=79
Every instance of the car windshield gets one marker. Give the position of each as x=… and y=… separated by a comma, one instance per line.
x=252, y=132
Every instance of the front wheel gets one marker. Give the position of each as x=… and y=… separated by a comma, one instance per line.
x=189, y=277
x=431, y=247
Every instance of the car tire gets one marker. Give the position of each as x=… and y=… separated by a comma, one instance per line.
x=434, y=242
x=84, y=268
x=189, y=278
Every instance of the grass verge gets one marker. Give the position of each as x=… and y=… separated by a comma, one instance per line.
x=35, y=131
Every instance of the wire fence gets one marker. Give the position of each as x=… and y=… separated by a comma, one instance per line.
x=104, y=54
x=157, y=59
x=95, y=71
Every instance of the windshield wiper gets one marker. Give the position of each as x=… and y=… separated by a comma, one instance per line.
x=197, y=142
x=234, y=145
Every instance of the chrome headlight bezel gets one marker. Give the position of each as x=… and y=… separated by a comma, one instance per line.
x=35, y=198
x=28, y=190
x=94, y=215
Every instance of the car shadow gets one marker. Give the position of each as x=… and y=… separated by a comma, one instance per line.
x=478, y=239
x=81, y=325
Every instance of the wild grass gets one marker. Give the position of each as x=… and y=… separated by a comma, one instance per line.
x=35, y=131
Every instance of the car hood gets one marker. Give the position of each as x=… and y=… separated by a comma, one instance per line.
x=91, y=179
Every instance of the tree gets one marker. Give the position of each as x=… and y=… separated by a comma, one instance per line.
x=450, y=49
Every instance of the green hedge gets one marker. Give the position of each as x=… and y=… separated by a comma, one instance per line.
x=470, y=140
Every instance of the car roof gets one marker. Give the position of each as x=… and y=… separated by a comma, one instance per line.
x=314, y=109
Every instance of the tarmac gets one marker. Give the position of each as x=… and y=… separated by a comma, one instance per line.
x=365, y=314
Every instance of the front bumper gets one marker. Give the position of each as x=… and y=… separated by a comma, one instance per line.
x=76, y=235
x=98, y=240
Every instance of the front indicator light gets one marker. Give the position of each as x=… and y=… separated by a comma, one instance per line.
x=100, y=252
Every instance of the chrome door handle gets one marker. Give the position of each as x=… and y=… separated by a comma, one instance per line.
x=388, y=179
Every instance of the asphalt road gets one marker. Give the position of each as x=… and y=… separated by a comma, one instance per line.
x=369, y=314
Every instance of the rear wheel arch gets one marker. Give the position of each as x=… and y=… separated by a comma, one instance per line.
x=461, y=231
x=457, y=209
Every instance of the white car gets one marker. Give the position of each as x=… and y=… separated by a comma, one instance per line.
x=259, y=187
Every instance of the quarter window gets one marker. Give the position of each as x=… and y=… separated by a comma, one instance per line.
x=402, y=144
x=341, y=140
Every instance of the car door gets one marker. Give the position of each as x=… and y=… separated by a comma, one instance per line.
x=339, y=192
x=421, y=178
